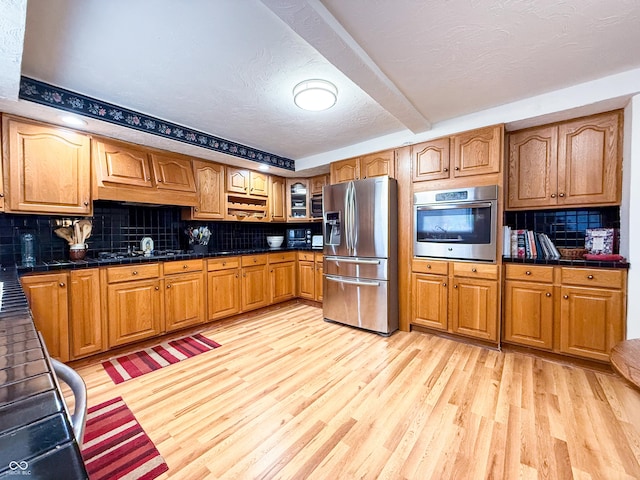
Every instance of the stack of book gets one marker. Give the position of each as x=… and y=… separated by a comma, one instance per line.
x=528, y=244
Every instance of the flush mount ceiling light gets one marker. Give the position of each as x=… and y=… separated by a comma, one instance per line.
x=315, y=95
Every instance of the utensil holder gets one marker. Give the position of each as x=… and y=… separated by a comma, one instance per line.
x=77, y=251
x=200, y=249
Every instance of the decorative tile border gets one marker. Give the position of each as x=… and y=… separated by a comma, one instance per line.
x=61, y=99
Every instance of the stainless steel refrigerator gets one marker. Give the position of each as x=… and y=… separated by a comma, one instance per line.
x=360, y=281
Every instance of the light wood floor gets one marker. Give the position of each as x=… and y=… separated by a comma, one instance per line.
x=291, y=396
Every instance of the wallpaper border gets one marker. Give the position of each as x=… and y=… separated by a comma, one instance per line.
x=45, y=94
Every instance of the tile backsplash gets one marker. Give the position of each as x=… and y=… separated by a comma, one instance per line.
x=566, y=228
x=118, y=226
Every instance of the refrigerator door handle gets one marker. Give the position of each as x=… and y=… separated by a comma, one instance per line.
x=363, y=283
x=353, y=260
x=347, y=231
x=354, y=223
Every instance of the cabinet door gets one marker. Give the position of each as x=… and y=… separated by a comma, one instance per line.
x=590, y=321
x=47, y=297
x=255, y=287
x=47, y=169
x=589, y=163
x=477, y=152
x=277, y=199
x=258, y=184
x=87, y=330
x=223, y=293
x=317, y=184
x=345, y=170
x=429, y=299
x=237, y=180
x=283, y=281
x=134, y=311
x=210, y=187
x=533, y=164
x=430, y=160
x=306, y=280
x=318, y=281
x=528, y=314
x=378, y=164
x=184, y=300
x=121, y=164
x=173, y=173
x=298, y=198
x=475, y=308
x=1, y=184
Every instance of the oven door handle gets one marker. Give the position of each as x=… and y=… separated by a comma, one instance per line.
x=362, y=283
x=449, y=206
x=352, y=260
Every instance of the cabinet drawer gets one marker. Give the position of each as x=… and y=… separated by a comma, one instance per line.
x=593, y=277
x=306, y=256
x=182, y=266
x=319, y=257
x=282, y=257
x=250, y=260
x=133, y=272
x=529, y=273
x=222, y=263
x=436, y=267
x=475, y=270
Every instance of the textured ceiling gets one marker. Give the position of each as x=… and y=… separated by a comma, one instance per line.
x=227, y=67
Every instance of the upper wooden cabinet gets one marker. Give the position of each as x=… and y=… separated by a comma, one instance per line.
x=372, y=165
x=209, y=179
x=277, y=209
x=298, y=199
x=46, y=168
x=127, y=172
x=576, y=163
x=430, y=160
x=317, y=183
x=247, y=182
x=477, y=152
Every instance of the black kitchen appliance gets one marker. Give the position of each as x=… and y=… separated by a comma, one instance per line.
x=298, y=237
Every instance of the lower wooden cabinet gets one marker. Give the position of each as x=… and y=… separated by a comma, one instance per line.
x=573, y=311
x=184, y=300
x=223, y=287
x=255, y=282
x=310, y=270
x=47, y=295
x=282, y=275
x=457, y=297
x=88, y=331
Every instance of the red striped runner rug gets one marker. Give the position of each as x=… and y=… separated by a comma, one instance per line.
x=115, y=445
x=144, y=361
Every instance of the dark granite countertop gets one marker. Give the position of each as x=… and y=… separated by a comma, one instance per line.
x=562, y=262
x=96, y=262
x=36, y=438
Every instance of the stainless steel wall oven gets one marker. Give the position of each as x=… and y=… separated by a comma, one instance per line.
x=456, y=224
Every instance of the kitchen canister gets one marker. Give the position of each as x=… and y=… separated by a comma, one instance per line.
x=28, y=249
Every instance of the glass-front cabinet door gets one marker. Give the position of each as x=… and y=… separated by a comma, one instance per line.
x=298, y=199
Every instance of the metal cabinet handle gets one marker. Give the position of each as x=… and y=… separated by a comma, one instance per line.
x=134, y=272
x=474, y=270
x=236, y=275
x=185, y=266
x=457, y=168
x=61, y=284
x=561, y=195
x=79, y=389
x=86, y=204
x=590, y=277
x=527, y=272
x=548, y=294
x=445, y=169
x=565, y=296
x=428, y=266
x=148, y=179
x=1, y=195
x=444, y=284
x=271, y=271
x=196, y=209
x=455, y=286
x=159, y=180
x=157, y=288
x=553, y=195
x=169, y=286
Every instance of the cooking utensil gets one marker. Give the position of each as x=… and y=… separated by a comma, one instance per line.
x=66, y=233
x=77, y=233
x=85, y=230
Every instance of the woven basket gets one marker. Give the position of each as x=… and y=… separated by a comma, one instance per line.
x=572, y=253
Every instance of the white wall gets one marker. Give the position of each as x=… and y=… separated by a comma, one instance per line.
x=630, y=212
